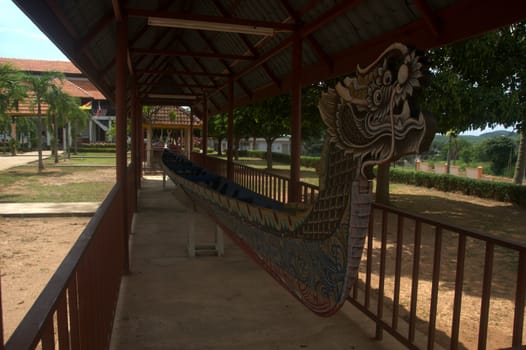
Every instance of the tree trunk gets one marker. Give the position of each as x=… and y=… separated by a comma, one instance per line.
x=520, y=165
x=75, y=140
x=39, y=137
x=55, y=138
x=219, y=146
x=236, y=148
x=382, y=184
x=269, y=153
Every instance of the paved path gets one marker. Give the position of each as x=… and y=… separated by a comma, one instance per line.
x=7, y=162
x=40, y=209
x=48, y=209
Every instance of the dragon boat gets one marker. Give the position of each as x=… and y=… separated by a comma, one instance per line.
x=314, y=251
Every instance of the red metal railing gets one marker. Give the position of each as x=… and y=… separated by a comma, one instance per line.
x=429, y=260
x=262, y=182
x=414, y=269
x=76, y=308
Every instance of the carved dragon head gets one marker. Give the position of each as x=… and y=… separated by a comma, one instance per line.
x=373, y=116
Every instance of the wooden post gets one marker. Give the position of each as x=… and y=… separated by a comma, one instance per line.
x=140, y=142
x=121, y=70
x=136, y=157
x=204, y=134
x=191, y=136
x=230, y=131
x=295, y=122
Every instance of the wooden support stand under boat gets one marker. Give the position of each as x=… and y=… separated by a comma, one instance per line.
x=315, y=251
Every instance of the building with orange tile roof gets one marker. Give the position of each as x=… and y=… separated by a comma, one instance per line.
x=75, y=84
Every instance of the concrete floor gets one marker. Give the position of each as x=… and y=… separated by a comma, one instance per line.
x=172, y=301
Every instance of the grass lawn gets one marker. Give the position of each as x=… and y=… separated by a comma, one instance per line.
x=84, y=181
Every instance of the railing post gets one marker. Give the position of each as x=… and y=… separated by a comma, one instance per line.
x=120, y=111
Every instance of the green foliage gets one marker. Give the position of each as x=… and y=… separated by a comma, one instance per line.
x=97, y=147
x=500, y=191
x=12, y=89
x=500, y=151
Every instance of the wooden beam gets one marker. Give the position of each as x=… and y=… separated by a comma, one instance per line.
x=179, y=72
x=189, y=54
x=211, y=19
x=117, y=10
x=178, y=85
x=428, y=16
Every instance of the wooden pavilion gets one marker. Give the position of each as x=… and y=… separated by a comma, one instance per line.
x=179, y=124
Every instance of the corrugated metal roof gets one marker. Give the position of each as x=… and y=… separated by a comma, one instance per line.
x=337, y=35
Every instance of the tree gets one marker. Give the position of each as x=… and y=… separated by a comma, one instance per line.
x=217, y=129
x=41, y=85
x=272, y=120
x=58, y=108
x=244, y=126
x=12, y=90
x=480, y=83
x=500, y=151
x=78, y=119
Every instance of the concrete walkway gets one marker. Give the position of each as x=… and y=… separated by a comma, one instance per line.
x=48, y=209
x=172, y=301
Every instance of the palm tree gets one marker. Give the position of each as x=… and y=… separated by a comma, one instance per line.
x=60, y=106
x=75, y=117
x=41, y=85
x=12, y=90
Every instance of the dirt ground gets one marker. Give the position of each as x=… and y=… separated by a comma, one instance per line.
x=32, y=248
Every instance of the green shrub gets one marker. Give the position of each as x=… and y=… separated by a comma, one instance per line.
x=500, y=191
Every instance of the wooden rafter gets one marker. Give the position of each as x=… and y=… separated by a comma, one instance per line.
x=310, y=39
x=428, y=15
x=253, y=51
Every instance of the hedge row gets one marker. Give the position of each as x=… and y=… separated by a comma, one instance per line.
x=97, y=147
x=306, y=161
x=500, y=191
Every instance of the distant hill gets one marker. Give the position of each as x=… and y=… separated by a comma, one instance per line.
x=506, y=133
x=477, y=138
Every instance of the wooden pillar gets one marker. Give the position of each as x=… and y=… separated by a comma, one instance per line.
x=295, y=122
x=149, y=146
x=204, y=134
x=187, y=142
x=136, y=157
x=121, y=70
x=230, y=131
x=140, y=141
x=191, y=136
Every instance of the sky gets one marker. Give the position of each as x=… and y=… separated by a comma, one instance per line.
x=20, y=38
